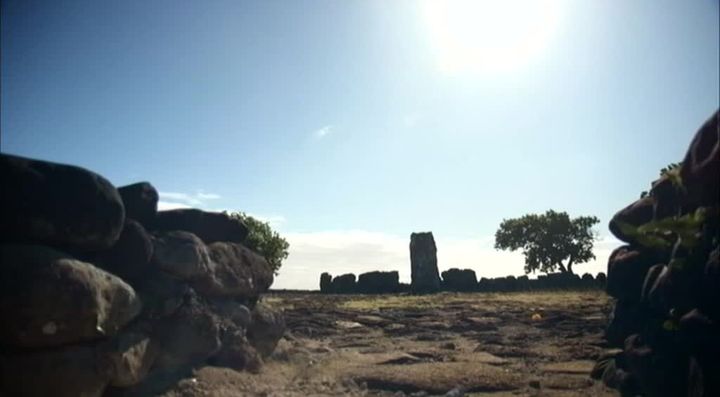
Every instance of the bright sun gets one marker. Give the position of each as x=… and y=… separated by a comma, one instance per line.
x=489, y=35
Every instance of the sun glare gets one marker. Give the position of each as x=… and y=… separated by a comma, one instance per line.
x=489, y=35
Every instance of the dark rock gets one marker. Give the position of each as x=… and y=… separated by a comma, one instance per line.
x=423, y=262
x=625, y=319
x=626, y=272
x=237, y=353
x=710, y=301
x=130, y=255
x=343, y=284
x=601, y=279
x=700, y=170
x=236, y=272
x=129, y=356
x=266, y=329
x=70, y=371
x=210, y=227
x=636, y=214
x=699, y=334
x=651, y=369
x=48, y=298
x=325, y=281
x=235, y=312
x=459, y=280
x=378, y=282
x=58, y=205
x=190, y=336
x=140, y=200
x=181, y=254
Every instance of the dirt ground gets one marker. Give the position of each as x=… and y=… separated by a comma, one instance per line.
x=454, y=344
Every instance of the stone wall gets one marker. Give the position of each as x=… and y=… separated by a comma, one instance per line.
x=101, y=294
x=666, y=281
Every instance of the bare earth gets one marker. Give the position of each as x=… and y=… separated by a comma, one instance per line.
x=509, y=344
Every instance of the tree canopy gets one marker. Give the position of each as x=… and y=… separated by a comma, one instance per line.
x=550, y=241
x=264, y=240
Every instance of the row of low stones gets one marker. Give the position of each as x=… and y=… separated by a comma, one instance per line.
x=455, y=280
x=667, y=312
x=102, y=294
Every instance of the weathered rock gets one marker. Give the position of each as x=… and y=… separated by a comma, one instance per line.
x=236, y=272
x=57, y=204
x=129, y=356
x=626, y=271
x=625, y=319
x=72, y=371
x=459, y=280
x=210, y=227
x=325, y=281
x=130, y=255
x=190, y=336
x=140, y=200
x=700, y=171
x=237, y=353
x=48, y=298
x=636, y=214
x=181, y=254
x=378, y=282
x=266, y=329
x=423, y=262
x=343, y=284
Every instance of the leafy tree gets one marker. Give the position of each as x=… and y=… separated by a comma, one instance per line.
x=264, y=240
x=549, y=241
x=671, y=171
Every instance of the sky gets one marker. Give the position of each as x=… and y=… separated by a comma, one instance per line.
x=350, y=124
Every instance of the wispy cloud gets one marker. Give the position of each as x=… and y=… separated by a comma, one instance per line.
x=175, y=200
x=274, y=221
x=358, y=251
x=323, y=132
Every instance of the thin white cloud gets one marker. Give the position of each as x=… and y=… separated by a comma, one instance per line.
x=168, y=205
x=357, y=251
x=323, y=132
x=274, y=221
x=197, y=199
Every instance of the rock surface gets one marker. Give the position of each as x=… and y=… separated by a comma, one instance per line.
x=141, y=201
x=423, y=263
x=210, y=227
x=459, y=280
x=48, y=298
x=58, y=205
x=378, y=282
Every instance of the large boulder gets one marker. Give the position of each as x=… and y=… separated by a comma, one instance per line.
x=627, y=268
x=635, y=214
x=423, y=263
x=181, y=254
x=188, y=337
x=209, y=226
x=459, y=280
x=141, y=201
x=378, y=282
x=48, y=298
x=57, y=205
x=266, y=329
x=71, y=371
x=343, y=284
x=325, y=280
x=129, y=356
x=236, y=272
x=700, y=171
x=130, y=255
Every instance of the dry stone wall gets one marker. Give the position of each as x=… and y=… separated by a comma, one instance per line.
x=101, y=294
x=666, y=281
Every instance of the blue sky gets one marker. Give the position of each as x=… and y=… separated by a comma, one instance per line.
x=342, y=123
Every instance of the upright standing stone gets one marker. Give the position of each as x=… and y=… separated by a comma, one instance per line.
x=423, y=263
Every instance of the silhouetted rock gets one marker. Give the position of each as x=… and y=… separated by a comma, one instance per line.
x=181, y=254
x=423, y=263
x=141, y=201
x=130, y=255
x=325, y=281
x=378, y=282
x=635, y=214
x=700, y=171
x=343, y=284
x=237, y=272
x=210, y=227
x=57, y=205
x=459, y=280
x=48, y=298
x=626, y=271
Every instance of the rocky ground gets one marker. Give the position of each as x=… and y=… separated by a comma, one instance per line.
x=472, y=344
